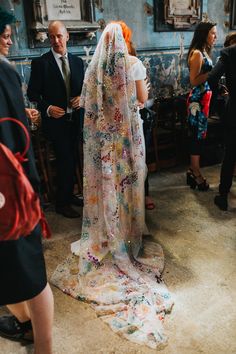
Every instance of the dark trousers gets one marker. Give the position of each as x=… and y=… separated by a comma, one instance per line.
x=63, y=137
x=227, y=168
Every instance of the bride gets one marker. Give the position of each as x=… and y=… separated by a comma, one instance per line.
x=118, y=274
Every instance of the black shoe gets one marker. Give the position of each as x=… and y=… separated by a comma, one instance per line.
x=77, y=200
x=196, y=181
x=68, y=212
x=221, y=201
x=189, y=176
x=13, y=329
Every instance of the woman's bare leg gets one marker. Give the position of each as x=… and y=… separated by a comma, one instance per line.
x=149, y=203
x=195, y=164
x=20, y=311
x=41, y=314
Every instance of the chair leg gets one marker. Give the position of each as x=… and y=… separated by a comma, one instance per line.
x=48, y=163
x=79, y=168
x=155, y=145
x=42, y=165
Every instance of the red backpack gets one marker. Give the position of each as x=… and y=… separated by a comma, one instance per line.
x=20, y=209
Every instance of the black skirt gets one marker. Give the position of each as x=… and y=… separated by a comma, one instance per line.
x=22, y=268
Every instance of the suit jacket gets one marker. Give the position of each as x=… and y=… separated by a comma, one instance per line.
x=47, y=87
x=12, y=105
x=226, y=65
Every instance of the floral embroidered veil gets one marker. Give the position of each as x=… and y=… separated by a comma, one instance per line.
x=115, y=272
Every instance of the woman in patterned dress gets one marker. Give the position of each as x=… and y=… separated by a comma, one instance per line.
x=200, y=64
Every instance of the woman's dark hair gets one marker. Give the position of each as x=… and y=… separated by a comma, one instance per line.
x=6, y=18
x=200, y=37
x=230, y=39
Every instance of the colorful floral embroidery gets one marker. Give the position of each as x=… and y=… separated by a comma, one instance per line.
x=123, y=288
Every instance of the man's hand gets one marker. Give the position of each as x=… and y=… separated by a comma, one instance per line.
x=56, y=112
x=223, y=90
x=140, y=105
x=32, y=114
x=74, y=102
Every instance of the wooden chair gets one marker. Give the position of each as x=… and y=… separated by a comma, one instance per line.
x=46, y=164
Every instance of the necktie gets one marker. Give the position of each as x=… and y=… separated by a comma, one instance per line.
x=66, y=74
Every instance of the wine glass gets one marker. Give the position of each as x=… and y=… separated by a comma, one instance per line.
x=70, y=114
x=34, y=124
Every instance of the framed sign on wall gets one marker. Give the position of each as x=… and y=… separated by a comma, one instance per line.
x=78, y=16
x=177, y=15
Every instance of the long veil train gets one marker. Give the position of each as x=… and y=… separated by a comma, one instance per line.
x=116, y=272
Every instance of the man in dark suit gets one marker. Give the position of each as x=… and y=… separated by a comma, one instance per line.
x=226, y=65
x=55, y=84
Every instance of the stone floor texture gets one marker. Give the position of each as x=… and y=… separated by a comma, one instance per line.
x=199, y=243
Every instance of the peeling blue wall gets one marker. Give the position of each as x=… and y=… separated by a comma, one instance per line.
x=163, y=53
x=132, y=12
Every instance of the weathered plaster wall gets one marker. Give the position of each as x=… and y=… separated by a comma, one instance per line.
x=132, y=12
x=218, y=11
x=163, y=53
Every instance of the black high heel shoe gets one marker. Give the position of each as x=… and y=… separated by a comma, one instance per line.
x=193, y=182
x=188, y=176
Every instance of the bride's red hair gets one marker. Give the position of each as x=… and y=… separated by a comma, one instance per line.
x=127, y=34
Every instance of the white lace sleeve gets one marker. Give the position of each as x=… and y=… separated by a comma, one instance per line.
x=137, y=71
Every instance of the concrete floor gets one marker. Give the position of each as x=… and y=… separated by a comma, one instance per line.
x=199, y=243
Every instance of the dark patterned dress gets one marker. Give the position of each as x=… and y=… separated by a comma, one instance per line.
x=198, y=104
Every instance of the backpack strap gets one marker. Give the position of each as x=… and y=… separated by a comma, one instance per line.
x=20, y=156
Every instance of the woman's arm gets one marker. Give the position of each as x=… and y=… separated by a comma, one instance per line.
x=141, y=91
x=195, y=64
x=138, y=74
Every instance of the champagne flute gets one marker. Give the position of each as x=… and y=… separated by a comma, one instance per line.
x=34, y=124
x=70, y=114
